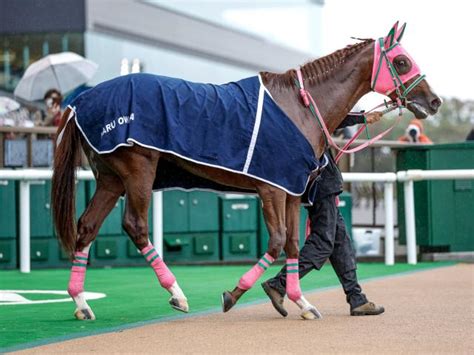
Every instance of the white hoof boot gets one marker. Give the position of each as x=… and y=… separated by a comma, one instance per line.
x=308, y=311
x=178, y=300
x=83, y=311
x=310, y=314
x=84, y=314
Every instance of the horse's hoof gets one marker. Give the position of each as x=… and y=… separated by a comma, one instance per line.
x=311, y=314
x=84, y=314
x=227, y=301
x=179, y=304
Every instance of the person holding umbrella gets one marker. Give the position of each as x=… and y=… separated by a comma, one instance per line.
x=52, y=100
x=51, y=76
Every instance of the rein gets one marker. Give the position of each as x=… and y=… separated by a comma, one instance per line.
x=400, y=103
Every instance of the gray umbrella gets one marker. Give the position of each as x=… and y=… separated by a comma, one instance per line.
x=63, y=71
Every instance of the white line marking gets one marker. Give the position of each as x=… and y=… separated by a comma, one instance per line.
x=13, y=297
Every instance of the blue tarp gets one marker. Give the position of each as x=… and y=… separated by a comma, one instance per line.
x=235, y=126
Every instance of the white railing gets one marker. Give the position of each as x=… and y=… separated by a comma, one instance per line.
x=26, y=176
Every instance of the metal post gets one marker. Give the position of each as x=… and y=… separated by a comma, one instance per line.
x=410, y=221
x=158, y=222
x=25, y=226
x=389, y=226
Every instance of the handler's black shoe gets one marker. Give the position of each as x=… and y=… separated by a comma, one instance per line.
x=275, y=297
x=367, y=309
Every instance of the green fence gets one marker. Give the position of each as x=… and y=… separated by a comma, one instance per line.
x=443, y=209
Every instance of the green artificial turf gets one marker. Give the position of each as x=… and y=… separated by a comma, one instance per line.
x=134, y=295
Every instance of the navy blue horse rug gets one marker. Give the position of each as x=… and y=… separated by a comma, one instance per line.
x=236, y=126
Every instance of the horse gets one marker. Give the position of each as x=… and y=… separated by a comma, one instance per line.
x=337, y=80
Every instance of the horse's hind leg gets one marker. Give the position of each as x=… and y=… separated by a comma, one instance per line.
x=109, y=188
x=138, y=186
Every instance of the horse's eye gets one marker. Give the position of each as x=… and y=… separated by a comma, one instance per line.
x=402, y=64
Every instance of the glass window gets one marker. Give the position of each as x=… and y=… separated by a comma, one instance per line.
x=19, y=51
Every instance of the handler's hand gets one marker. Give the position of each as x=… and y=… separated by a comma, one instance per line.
x=373, y=117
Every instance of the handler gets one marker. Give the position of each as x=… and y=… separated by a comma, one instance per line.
x=328, y=239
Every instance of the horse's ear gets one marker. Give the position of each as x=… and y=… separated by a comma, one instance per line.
x=390, y=38
x=400, y=32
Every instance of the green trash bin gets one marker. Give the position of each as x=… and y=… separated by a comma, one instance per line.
x=45, y=249
x=41, y=223
x=443, y=209
x=239, y=227
x=203, y=212
x=8, y=253
x=175, y=211
x=177, y=247
x=195, y=211
x=109, y=251
x=191, y=247
x=8, y=227
x=190, y=226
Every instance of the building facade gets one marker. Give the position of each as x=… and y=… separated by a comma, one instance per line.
x=207, y=41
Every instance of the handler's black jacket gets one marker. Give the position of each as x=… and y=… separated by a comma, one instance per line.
x=330, y=182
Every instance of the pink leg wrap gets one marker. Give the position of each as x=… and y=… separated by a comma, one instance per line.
x=250, y=277
x=165, y=276
x=293, y=289
x=78, y=274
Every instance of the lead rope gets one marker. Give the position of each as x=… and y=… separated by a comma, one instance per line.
x=388, y=108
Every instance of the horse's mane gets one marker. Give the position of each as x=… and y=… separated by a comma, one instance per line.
x=319, y=69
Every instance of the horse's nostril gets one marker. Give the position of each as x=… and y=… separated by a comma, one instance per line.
x=435, y=103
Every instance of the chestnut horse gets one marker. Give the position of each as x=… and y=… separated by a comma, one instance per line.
x=337, y=81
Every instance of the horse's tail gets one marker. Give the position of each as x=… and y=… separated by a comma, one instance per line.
x=63, y=192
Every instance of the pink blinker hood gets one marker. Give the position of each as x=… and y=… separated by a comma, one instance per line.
x=384, y=83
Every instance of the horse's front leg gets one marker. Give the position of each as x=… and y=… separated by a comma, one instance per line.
x=273, y=204
x=293, y=289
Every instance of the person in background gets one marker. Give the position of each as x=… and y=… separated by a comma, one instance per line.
x=328, y=239
x=414, y=133
x=52, y=100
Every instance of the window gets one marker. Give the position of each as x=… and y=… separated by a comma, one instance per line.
x=19, y=51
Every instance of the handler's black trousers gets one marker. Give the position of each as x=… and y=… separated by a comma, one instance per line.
x=328, y=239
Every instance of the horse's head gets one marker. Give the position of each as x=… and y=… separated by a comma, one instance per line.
x=396, y=74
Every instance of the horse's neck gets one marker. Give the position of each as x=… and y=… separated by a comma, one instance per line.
x=335, y=97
